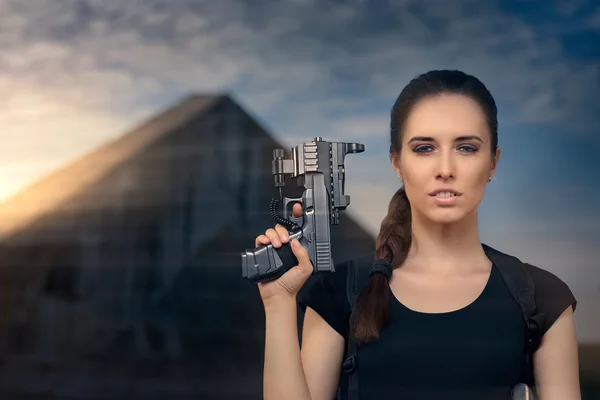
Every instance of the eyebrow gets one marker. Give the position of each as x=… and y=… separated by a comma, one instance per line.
x=458, y=139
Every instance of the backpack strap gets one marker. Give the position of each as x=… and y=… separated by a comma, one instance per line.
x=357, y=275
x=522, y=288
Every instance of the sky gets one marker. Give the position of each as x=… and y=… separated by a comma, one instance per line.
x=75, y=74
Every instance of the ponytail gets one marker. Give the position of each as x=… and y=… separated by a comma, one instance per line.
x=372, y=308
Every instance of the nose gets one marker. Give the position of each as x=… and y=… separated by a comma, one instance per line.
x=445, y=167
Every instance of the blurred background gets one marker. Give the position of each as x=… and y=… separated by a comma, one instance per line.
x=136, y=157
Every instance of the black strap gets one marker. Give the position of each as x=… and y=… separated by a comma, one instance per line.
x=522, y=288
x=358, y=274
x=359, y=271
x=349, y=365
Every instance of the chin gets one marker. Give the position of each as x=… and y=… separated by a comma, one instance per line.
x=446, y=216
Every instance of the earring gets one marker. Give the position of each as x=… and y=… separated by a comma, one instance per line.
x=399, y=177
x=490, y=178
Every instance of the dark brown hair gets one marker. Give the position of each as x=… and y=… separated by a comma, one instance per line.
x=371, y=312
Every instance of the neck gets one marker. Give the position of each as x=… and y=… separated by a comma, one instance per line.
x=445, y=247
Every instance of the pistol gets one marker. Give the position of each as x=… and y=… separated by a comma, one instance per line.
x=318, y=166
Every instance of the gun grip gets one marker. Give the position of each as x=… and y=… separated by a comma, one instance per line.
x=266, y=263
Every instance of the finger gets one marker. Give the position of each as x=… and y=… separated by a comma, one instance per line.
x=297, y=210
x=261, y=240
x=274, y=237
x=302, y=255
x=283, y=233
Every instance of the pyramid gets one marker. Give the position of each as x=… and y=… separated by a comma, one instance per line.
x=122, y=269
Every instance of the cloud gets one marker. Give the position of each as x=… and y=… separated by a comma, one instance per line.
x=88, y=69
x=75, y=73
x=113, y=55
x=593, y=20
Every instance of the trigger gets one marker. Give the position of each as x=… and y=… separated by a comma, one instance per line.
x=288, y=211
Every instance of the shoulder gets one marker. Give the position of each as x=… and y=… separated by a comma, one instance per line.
x=552, y=295
x=546, y=282
x=326, y=295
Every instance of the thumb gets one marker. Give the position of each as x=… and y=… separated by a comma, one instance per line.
x=301, y=254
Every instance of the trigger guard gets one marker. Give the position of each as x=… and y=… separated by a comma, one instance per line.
x=298, y=221
x=286, y=215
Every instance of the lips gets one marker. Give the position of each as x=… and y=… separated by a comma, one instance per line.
x=445, y=193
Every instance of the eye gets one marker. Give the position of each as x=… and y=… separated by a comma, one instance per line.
x=467, y=148
x=423, y=149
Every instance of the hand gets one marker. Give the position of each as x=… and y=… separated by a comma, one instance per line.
x=289, y=283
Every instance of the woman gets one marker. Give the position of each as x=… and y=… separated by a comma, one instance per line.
x=443, y=325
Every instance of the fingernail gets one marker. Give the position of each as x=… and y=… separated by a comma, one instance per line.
x=285, y=238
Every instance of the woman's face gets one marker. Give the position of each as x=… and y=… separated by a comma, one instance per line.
x=446, y=158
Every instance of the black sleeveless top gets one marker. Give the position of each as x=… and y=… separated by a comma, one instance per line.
x=475, y=352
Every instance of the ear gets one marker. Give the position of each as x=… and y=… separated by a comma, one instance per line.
x=495, y=162
x=395, y=159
